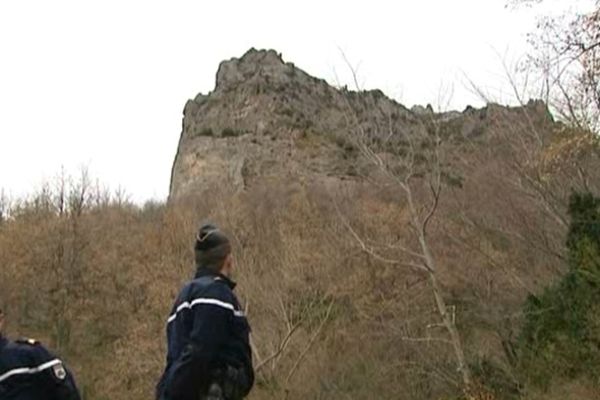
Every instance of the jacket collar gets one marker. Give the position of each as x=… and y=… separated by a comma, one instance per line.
x=3, y=341
x=202, y=271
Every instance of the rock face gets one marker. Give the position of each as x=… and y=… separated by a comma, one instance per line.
x=267, y=119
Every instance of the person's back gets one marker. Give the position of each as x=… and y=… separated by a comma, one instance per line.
x=209, y=353
x=28, y=371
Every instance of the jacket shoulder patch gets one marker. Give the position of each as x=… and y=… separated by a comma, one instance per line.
x=59, y=371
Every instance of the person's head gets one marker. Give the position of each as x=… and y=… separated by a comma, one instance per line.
x=213, y=250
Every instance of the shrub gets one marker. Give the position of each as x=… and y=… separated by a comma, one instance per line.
x=561, y=334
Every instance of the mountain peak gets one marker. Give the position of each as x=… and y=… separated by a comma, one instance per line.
x=253, y=65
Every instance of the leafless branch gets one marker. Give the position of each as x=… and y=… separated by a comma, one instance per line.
x=310, y=343
x=282, y=346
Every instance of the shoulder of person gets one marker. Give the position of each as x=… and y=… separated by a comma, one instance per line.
x=216, y=292
x=40, y=354
x=32, y=349
x=193, y=287
x=218, y=289
x=210, y=285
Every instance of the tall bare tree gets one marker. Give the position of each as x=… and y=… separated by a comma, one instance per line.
x=410, y=159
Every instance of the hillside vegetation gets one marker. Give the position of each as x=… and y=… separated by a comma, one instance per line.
x=94, y=277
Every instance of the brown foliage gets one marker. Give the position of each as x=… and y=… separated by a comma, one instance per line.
x=94, y=277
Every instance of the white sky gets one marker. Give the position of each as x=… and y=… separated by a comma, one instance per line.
x=102, y=84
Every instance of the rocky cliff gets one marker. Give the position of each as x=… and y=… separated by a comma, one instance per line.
x=268, y=119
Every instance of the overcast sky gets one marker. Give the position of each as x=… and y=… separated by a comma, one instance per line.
x=102, y=84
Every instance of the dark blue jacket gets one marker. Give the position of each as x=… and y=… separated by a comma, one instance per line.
x=206, y=332
x=30, y=372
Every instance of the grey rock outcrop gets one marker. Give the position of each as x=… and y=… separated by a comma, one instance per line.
x=268, y=119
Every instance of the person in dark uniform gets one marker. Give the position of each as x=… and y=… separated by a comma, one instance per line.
x=208, y=355
x=28, y=371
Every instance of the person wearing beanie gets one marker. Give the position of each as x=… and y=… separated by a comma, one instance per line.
x=208, y=354
x=28, y=371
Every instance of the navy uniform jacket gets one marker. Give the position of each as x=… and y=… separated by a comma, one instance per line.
x=30, y=372
x=206, y=332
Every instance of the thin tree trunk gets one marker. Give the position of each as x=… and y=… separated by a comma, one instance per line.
x=447, y=319
x=452, y=331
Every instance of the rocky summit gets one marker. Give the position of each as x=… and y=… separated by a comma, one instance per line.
x=268, y=119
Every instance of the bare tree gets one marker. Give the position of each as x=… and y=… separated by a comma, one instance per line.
x=410, y=159
x=545, y=160
x=69, y=201
x=565, y=57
